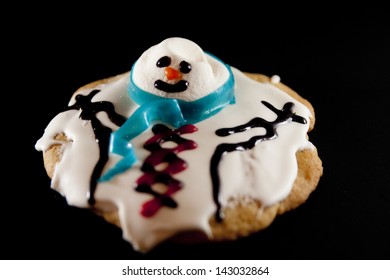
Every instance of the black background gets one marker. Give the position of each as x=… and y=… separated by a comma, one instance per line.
x=336, y=58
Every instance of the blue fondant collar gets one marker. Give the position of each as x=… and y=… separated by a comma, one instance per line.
x=154, y=109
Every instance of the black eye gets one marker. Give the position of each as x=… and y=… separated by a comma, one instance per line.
x=185, y=67
x=164, y=61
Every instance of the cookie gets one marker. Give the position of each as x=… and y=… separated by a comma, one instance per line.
x=183, y=147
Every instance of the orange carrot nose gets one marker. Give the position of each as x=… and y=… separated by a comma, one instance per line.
x=172, y=73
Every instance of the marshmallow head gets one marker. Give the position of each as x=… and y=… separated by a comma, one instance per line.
x=178, y=68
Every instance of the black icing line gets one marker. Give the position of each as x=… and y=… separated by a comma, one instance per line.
x=179, y=86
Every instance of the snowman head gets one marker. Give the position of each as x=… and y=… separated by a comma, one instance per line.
x=178, y=68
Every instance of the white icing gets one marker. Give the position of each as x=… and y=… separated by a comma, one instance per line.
x=207, y=74
x=266, y=172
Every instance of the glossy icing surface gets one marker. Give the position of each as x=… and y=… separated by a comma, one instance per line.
x=181, y=176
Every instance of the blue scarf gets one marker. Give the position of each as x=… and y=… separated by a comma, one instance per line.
x=155, y=109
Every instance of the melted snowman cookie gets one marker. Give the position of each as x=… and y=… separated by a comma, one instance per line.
x=183, y=143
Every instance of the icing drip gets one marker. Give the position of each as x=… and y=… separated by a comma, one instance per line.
x=283, y=116
x=161, y=155
x=88, y=111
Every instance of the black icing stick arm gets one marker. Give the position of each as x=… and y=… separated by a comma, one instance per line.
x=285, y=115
x=102, y=133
